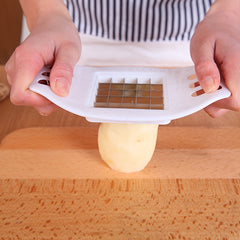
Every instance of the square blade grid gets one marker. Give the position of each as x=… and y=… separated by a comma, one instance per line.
x=129, y=95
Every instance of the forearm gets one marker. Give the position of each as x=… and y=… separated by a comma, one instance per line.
x=35, y=10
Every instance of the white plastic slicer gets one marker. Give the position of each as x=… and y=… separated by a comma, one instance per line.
x=131, y=94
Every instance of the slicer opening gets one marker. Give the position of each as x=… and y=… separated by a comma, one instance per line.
x=130, y=94
x=44, y=82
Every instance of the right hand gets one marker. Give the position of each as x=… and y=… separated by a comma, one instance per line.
x=54, y=41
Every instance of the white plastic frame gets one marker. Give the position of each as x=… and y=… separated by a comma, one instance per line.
x=177, y=93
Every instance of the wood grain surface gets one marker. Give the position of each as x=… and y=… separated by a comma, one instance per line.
x=54, y=185
x=120, y=209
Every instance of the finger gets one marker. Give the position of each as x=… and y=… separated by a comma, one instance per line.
x=47, y=109
x=202, y=52
x=231, y=71
x=28, y=65
x=215, y=112
x=62, y=72
x=226, y=103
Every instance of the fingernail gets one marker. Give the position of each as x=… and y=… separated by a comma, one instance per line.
x=43, y=114
x=207, y=84
x=62, y=86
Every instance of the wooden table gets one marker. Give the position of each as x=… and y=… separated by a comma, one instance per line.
x=54, y=185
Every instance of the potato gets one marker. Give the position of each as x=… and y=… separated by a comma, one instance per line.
x=127, y=147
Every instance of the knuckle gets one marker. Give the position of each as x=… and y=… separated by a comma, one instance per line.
x=18, y=53
x=74, y=44
x=16, y=98
x=203, y=65
x=24, y=55
x=71, y=45
x=73, y=48
x=62, y=70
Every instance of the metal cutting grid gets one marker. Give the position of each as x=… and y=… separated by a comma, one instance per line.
x=129, y=95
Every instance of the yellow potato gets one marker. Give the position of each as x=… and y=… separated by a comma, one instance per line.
x=127, y=147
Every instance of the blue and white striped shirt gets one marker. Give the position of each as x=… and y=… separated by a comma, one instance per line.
x=138, y=20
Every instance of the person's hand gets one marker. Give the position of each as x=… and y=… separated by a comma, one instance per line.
x=54, y=41
x=215, y=50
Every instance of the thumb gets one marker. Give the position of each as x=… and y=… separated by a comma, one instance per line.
x=61, y=74
x=207, y=72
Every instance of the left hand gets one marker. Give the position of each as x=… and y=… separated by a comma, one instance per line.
x=215, y=50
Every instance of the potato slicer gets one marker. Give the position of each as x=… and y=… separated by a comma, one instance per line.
x=131, y=94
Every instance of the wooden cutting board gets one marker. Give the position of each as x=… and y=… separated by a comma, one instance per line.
x=54, y=185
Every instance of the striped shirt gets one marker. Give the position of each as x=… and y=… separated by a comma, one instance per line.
x=138, y=20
